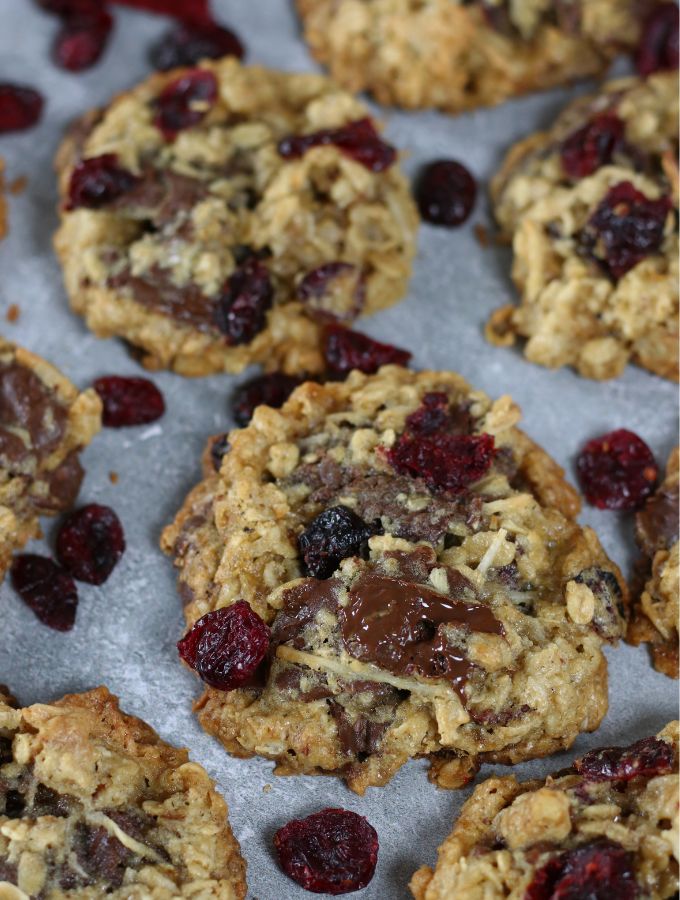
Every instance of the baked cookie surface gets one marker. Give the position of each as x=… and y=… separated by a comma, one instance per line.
x=94, y=804
x=655, y=609
x=231, y=239
x=608, y=826
x=591, y=209
x=462, y=55
x=44, y=423
x=493, y=604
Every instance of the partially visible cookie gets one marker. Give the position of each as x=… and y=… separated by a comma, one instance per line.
x=462, y=55
x=44, y=424
x=452, y=609
x=591, y=209
x=607, y=827
x=655, y=607
x=93, y=803
x=218, y=216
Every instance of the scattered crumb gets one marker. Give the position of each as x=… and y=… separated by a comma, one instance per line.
x=13, y=313
x=266, y=789
x=18, y=186
x=482, y=234
x=113, y=477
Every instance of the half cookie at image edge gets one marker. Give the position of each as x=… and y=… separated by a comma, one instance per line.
x=591, y=209
x=462, y=55
x=655, y=611
x=219, y=216
x=606, y=827
x=93, y=803
x=458, y=611
x=44, y=423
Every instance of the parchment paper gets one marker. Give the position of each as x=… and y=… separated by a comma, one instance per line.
x=126, y=630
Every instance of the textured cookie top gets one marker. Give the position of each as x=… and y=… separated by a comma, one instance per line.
x=44, y=422
x=239, y=207
x=591, y=206
x=461, y=54
x=450, y=586
x=608, y=826
x=93, y=803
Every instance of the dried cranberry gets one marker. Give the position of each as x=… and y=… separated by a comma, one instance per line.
x=185, y=10
x=445, y=193
x=644, y=759
x=332, y=536
x=432, y=414
x=20, y=107
x=617, y=470
x=602, y=870
x=90, y=543
x=225, y=647
x=625, y=228
x=335, y=290
x=448, y=462
x=334, y=851
x=658, y=47
x=129, y=401
x=241, y=310
x=358, y=140
x=188, y=43
x=271, y=390
x=49, y=591
x=592, y=146
x=219, y=447
x=185, y=101
x=98, y=181
x=82, y=38
x=345, y=350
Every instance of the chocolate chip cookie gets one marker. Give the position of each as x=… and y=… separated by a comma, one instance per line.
x=606, y=827
x=428, y=590
x=93, y=803
x=655, y=601
x=461, y=55
x=218, y=216
x=591, y=209
x=44, y=424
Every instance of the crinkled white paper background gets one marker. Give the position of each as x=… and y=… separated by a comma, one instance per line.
x=126, y=630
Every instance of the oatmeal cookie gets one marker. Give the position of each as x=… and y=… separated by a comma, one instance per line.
x=93, y=803
x=459, y=55
x=218, y=216
x=591, y=209
x=44, y=424
x=607, y=826
x=428, y=590
x=655, y=608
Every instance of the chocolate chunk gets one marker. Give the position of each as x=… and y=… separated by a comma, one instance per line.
x=656, y=524
x=359, y=737
x=63, y=486
x=157, y=292
x=302, y=604
x=26, y=403
x=101, y=855
x=47, y=802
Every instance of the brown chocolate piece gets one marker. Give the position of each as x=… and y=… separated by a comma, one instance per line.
x=27, y=404
x=401, y=627
x=157, y=292
x=656, y=524
x=301, y=606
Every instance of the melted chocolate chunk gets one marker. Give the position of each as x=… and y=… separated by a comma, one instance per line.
x=401, y=627
x=26, y=403
x=360, y=736
x=156, y=291
x=656, y=524
x=101, y=855
x=63, y=485
x=302, y=604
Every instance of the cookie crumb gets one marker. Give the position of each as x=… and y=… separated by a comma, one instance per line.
x=18, y=185
x=266, y=789
x=482, y=235
x=13, y=313
x=113, y=477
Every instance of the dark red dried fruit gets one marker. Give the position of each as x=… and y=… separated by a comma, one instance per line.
x=602, y=870
x=334, y=851
x=647, y=758
x=219, y=447
x=332, y=536
x=272, y=390
x=625, y=228
x=185, y=101
x=592, y=146
x=336, y=290
x=98, y=181
x=345, y=350
x=446, y=462
x=20, y=107
x=617, y=470
x=188, y=43
x=90, y=543
x=658, y=47
x=432, y=414
x=225, y=647
x=445, y=193
x=129, y=401
x=358, y=140
x=241, y=310
x=66, y=8
x=185, y=10
x=49, y=591
x=82, y=38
